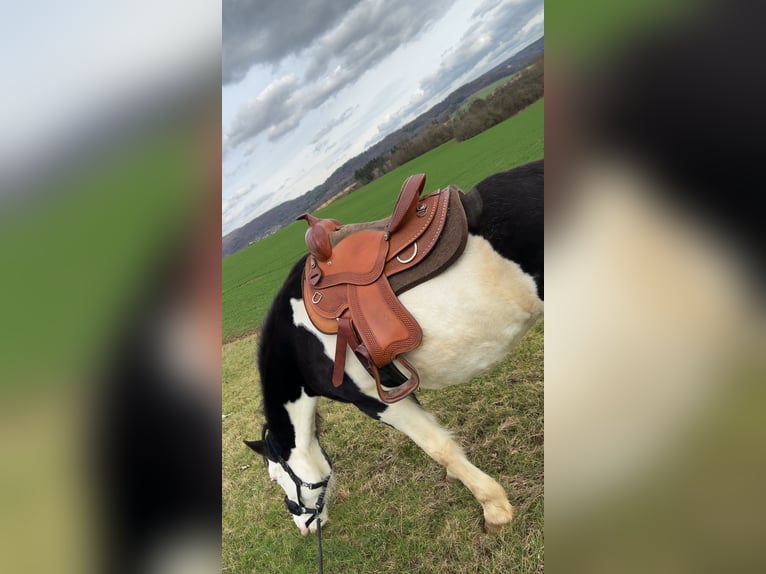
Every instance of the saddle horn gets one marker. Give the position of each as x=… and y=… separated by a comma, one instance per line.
x=318, y=235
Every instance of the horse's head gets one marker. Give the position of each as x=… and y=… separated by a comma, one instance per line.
x=303, y=477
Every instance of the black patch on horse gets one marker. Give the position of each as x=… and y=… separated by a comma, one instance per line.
x=291, y=358
x=518, y=236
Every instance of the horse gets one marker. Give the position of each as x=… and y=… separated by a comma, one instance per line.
x=482, y=305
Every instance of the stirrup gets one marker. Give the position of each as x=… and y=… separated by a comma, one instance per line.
x=397, y=393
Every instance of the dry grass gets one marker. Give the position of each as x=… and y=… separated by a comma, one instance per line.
x=392, y=509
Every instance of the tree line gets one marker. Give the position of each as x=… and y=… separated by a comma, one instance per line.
x=522, y=90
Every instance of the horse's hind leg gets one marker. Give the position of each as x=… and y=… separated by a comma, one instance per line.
x=408, y=417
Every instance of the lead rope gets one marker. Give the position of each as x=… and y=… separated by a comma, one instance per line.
x=319, y=539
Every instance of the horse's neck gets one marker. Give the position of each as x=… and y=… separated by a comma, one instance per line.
x=307, y=455
x=302, y=413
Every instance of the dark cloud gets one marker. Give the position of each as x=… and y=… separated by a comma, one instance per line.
x=271, y=109
x=343, y=51
x=265, y=32
x=371, y=31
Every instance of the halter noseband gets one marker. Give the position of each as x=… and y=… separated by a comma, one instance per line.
x=298, y=508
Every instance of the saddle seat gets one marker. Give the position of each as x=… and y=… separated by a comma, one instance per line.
x=355, y=272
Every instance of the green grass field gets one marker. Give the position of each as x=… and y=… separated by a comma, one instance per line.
x=251, y=277
x=392, y=509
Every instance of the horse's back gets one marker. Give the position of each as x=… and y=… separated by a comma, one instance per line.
x=479, y=307
x=507, y=209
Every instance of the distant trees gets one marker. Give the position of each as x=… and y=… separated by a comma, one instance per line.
x=522, y=90
x=433, y=136
x=373, y=169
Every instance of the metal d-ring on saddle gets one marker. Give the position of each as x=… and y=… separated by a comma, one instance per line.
x=355, y=272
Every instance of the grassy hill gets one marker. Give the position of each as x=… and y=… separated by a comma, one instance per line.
x=485, y=92
x=251, y=277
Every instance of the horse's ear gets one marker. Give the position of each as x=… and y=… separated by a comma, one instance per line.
x=258, y=446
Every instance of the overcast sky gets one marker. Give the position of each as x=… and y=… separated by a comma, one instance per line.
x=308, y=85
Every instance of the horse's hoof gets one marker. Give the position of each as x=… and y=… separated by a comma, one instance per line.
x=493, y=528
x=499, y=520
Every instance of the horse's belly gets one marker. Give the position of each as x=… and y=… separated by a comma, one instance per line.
x=471, y=315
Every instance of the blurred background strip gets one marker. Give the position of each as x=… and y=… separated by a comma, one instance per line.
x=110, y=287
x=654, y=363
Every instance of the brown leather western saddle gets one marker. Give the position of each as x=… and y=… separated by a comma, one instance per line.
x=355, y=272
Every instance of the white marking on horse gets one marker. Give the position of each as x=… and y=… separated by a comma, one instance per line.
x=306, y=459
x=480, y=308
x=409, y=417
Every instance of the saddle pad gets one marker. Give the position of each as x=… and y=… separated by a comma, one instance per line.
x=418, y=236
x=449, y=246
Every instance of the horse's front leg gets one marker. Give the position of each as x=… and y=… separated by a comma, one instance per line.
x=410, y=418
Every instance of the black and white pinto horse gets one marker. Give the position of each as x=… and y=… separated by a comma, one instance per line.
x=471, y=315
